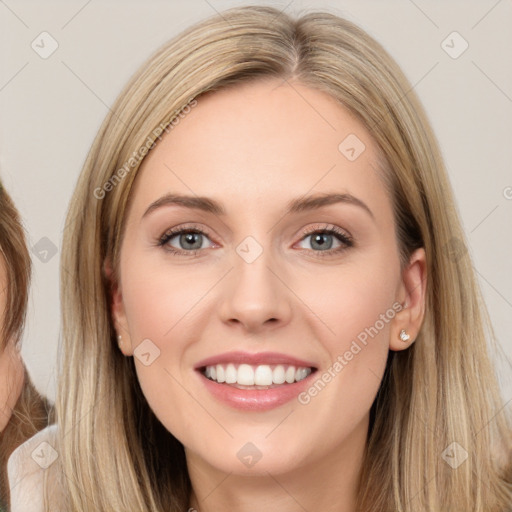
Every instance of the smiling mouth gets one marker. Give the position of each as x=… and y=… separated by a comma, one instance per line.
x=245, y=376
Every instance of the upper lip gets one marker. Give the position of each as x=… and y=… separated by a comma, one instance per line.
x=239, y=357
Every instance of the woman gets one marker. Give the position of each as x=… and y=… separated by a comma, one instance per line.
x=22, y=410
x=214, y=376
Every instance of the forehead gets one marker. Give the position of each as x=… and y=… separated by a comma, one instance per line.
x=269, y=140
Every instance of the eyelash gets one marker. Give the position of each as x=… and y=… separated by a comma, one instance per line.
x=344, y=238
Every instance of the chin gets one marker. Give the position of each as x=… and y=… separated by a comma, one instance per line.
x=252, y=459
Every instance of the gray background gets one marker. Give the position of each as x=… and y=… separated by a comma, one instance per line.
x=52, y=108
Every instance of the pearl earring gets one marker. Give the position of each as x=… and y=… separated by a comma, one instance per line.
x=119, y=340
x=404, y=336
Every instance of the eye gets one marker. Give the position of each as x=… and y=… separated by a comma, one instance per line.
x=322, y=240
x=189, y=241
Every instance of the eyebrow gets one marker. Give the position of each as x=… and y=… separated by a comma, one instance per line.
x=298, y=205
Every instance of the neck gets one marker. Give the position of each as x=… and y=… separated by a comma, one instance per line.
x=328, y=483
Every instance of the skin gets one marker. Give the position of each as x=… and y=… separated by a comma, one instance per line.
x=11, y=366
x=253, y=148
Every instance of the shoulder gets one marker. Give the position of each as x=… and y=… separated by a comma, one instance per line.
x=26, y=468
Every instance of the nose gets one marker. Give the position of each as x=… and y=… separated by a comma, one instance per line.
x=255, y=296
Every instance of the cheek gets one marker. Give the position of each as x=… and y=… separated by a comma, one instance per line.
x=354, y=298
x=156, y=300
x=161, y=305
x=11, y=384
x=357, y=307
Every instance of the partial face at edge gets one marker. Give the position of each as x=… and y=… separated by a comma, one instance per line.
x=11, y=366
x=257, y=280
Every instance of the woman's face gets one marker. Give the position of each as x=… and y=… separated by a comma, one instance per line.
x=11, y=366
x=271, y=276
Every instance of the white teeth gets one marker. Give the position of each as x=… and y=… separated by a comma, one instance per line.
x=278, y=375
x=300, y=374
x=290, y=375
x=231, y=374
x=245, y=375
x=260, y=375
x=220, y=373
x=263, y=376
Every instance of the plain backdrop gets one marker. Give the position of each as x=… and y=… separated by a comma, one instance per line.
x=51, y=109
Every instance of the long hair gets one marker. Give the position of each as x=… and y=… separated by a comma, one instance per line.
x=115, y=454
x=31, y=412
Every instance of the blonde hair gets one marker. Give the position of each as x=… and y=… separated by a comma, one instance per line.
x=114, y=453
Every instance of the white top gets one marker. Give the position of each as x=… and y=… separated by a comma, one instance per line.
x=26, y=468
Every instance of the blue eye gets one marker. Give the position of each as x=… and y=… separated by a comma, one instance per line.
x=322, y=240
x=191, y=240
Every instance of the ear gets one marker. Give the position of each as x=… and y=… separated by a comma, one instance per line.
x=117, y=311
x=411, y=294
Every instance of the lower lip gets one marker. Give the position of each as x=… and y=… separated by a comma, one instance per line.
x=255, y=399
